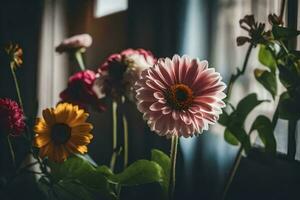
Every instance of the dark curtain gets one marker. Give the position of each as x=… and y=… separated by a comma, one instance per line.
x=19, y=23
x=156, y=25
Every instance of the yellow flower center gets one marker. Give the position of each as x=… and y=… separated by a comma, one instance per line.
x=60, y=133
x=179, y=96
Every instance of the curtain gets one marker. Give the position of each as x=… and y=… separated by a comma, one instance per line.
x=19, y=23
x=52, y=67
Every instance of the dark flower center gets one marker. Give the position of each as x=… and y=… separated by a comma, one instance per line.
x=179, y=96
x=60, y=133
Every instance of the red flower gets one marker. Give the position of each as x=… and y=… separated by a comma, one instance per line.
x=80, y=91
x=119, y=72
x=11, y=117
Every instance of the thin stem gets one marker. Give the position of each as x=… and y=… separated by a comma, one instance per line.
x=78, y=56
x=114, y=136
x=233, y=170
x=284, y=47
x=275, y=118
x=125, y=129
x=234, y=77
x=118, y=190
x=282, y=10
x=238, y=157
x=11, y=149
x=292, y=139
x=173, y=156
x=125, y=126
x=12, y=64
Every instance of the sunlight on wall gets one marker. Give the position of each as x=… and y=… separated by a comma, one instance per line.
x=107, y=7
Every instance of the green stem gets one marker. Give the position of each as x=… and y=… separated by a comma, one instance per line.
x=234, y=77
x=238, y=157
x=12, y=153
x=12, y=64
x=284, y=47
x=125, y=129
x=125, y=126
x=173, y=155
x=78, y=56
x=282, y=10
x=292, y=139
x=275, y=117
x=118, y=190
x=114, y=136
x=233, y=170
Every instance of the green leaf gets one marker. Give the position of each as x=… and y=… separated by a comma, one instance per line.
x=106, y=171
x=240, y=134
x=224, y=118
x=289, y=108
x=71, y=189
x=266, y=58
x=245, y=106
x=282, y=33
x=235, y=121
x=268, y=80
x=289, y=72
x=88, y=158
x=230, y=138
x=140, y=172
x=64, y=189
x=164, y=161
x=79, y=168
x=264, y=127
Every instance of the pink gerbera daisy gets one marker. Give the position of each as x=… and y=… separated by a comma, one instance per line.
x=180, y=97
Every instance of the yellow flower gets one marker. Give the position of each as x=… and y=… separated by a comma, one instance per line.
x=62, y=131
x=15, y=54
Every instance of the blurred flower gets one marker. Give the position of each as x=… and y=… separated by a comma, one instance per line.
x=11, y=117
x=76, y=42
x=119, y=72
x=81, y=91
x=62, y=131
x=275, y=20
x=180, y=97
x=256, y=31
x=15, y=54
